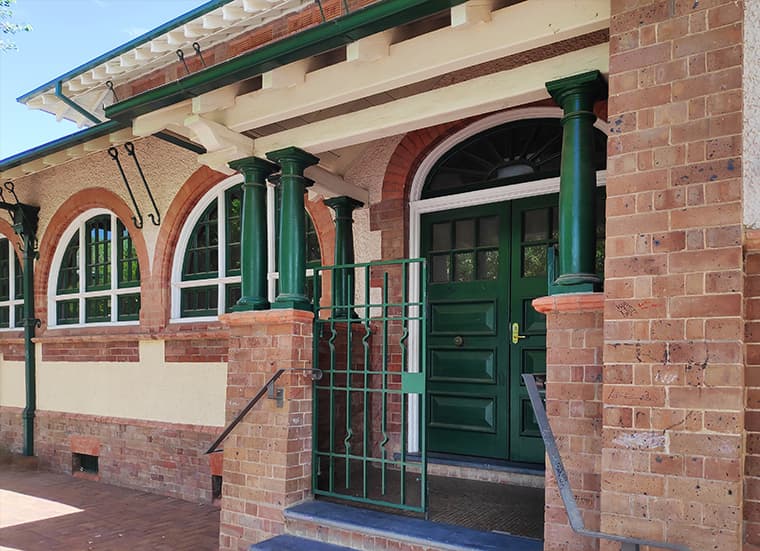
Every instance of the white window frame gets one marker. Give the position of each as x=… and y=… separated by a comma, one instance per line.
x=114, y=292
x=12, y=302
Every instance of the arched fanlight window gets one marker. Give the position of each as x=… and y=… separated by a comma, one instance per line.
x=107, y=290
x=519, y=151
x=11, y=286
x=206, y=275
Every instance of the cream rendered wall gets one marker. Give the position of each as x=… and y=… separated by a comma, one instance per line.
x=166, y=168
x=12, y=384
x=751, y=156
x=151, y=389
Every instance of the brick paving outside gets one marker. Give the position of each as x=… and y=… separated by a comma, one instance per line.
x=46, y=511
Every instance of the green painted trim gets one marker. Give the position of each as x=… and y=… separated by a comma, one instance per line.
x=127, y=46
x=327, y=36
x=74, y=105
x=83, y=136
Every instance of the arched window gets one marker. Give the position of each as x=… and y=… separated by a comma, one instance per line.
x=206, y=274
x=107, y=290
x=11, y=286
x=519, y=151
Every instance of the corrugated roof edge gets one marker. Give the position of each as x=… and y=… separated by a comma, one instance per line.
x=60, y=144
x=142, y=39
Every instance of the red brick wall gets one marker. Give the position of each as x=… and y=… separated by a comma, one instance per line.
x=674, y=374
x=164, y=458
x=12, y=349
x=11, y=429
x=196, y=350
x=752, y=413
x=267, y=458
x=574, y=340
x=102, y=350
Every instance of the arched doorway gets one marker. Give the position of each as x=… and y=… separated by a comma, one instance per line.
x=484, y=213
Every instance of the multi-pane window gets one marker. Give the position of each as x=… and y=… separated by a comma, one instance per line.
x=465, y=250
x=108, y=288
x=11, y=287
x=207, y=282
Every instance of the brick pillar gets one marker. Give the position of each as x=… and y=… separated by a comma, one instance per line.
x=267, y=458
x=752, y=415
x=674, y=367
x=574, y=326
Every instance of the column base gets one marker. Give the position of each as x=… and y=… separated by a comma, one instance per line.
x=294, y=302
x=245, y=304
x=575, y=283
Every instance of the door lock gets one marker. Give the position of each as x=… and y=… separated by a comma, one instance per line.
x=516, y=336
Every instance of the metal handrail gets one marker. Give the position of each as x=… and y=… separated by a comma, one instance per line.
x=563, y=482
x=316, y=374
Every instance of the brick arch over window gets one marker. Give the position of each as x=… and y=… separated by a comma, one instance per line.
x=323, y=223
x=201, y=182
x=82, y=201
x=391, y=214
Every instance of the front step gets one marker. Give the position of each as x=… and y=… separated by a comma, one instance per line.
x=293, y=543
x=367, y=530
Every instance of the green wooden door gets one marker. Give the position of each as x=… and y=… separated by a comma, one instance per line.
x=486, y=264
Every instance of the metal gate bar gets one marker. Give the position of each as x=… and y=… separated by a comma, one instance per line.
x=371, y=377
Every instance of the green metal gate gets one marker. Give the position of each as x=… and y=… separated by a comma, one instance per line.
x=373, y=384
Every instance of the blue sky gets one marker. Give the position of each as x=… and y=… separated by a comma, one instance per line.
x=67, y=33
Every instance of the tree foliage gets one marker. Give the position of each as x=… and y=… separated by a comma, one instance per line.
x=8, y=26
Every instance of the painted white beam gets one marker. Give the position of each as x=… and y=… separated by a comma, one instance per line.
x=370, y=48
x=57, y=158
x=223, y=145
x=150, y=123
x=523, y=26
x=480, y=95
x=474, y=11
x=329, y=184
x=221, y=98
x=286, y=76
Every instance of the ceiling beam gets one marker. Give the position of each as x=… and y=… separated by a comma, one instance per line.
x=477, y=96
x=510, y=30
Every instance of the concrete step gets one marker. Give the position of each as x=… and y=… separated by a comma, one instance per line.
x=368, y=530
x=293, y=543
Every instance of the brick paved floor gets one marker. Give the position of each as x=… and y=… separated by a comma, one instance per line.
x=46, y=511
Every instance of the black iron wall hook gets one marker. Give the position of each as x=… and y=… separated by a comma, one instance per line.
x=181, y=56
x=130, y=148
x=197, y=48
x=138, y=219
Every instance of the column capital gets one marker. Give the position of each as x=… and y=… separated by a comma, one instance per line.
x=293, y=160
x=343, y=205
x=254, y=169
x=586, y=87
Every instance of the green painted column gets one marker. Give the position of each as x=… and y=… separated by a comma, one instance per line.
x=292, y=246
x=343, y=283
x=577, y=227
x=253, y=233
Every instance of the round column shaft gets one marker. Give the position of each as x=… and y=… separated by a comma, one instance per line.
x=343, y=283
x=292, y=245
x=253, y=233
x=577, y=195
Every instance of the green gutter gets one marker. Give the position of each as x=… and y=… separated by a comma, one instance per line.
x=324, y=37
x=74, y=105
x=124, y=48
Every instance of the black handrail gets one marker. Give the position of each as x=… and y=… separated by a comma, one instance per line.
x=563, y=482
x=316, y=374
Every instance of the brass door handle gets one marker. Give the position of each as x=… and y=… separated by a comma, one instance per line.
x=516, y=336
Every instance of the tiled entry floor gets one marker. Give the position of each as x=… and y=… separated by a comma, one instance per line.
x=46, y=511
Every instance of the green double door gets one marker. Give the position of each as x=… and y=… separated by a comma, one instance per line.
x=486, y=264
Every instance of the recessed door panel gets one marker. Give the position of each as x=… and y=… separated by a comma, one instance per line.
x=452, y=365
